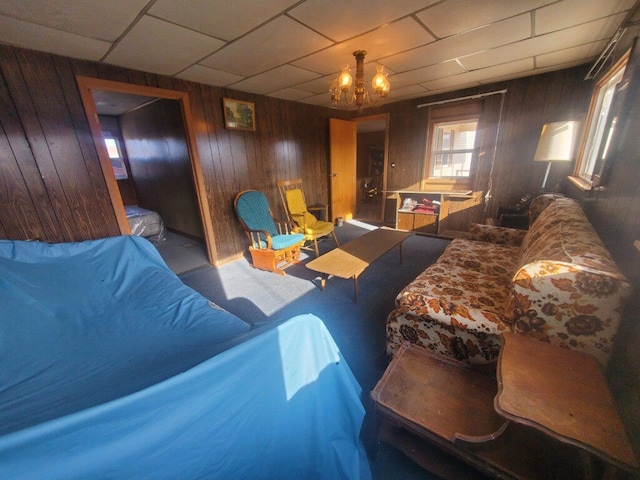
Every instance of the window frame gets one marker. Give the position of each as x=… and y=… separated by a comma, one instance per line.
x=106, y=135
x=595, y=150
x=459, y=114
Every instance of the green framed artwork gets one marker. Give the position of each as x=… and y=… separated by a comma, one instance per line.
x=239, y=115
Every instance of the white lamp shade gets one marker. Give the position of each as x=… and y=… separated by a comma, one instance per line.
x=557, y=142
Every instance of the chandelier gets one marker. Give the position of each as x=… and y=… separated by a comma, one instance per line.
x=341, y=86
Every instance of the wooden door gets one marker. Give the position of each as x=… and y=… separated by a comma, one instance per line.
x=343, y=141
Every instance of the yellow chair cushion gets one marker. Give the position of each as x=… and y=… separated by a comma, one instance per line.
x=295, y=201
x=298, y=209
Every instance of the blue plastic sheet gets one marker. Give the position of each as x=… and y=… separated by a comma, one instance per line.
x=281, y=405
x=86, y=322
x=89, y=391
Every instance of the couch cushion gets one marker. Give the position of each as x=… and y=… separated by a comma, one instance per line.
x=455, y=295
x=563, y=234
x=560, y=210
x=488, y=258
x=494, y=234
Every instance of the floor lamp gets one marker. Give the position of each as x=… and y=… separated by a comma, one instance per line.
x=556, y=144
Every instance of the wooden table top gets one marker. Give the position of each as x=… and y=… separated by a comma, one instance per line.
x=563, y=393
x=438, y=395
x=352, y=258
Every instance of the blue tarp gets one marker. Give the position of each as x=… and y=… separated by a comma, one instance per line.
x=282, y=404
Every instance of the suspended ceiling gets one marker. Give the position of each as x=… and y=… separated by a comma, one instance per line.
x=294, y=49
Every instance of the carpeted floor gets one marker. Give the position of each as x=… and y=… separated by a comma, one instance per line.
x=358, y=328
x=181, y=253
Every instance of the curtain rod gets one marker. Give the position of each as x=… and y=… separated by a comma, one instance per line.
x=479, y=95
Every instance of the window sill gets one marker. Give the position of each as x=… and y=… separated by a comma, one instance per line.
x=581, y=183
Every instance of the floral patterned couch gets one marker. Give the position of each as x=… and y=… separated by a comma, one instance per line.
x=555, y=281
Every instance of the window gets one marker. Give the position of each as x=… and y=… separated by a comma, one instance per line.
x=452, y=148
x=117, y=162
x=599, y=127
x=453, y=141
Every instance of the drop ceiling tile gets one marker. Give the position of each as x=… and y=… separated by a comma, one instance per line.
x=220, y=18
x=290, y=94
x=524, y=65
x=339, y=21
x=157, y=46
x=408, y=91
x=96, y=19
x=320, y=100
x=209, y=76
x=45, y=39
x=491, y=36
x=458, y=16
x=318, y=85
x=274, y=80
x=575, y=12
x=280, y=41
x=550, y=42
x=388, y=40
x=425, y=74
x=583, y=53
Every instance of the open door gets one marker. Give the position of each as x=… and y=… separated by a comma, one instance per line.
x=343, y=151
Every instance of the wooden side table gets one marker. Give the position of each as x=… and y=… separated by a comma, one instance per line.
x=426, y=400
x=563, y=393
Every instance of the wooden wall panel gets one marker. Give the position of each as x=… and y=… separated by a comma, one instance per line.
x=528, y=104
x=291, y=140
x=51, y=172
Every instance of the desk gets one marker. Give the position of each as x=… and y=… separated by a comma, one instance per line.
x=426, y=401
x=416, y=221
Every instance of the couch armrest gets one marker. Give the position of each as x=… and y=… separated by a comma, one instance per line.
x=568, y=305
x=494, y=234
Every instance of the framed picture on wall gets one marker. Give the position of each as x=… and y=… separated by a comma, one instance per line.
x=239, y=115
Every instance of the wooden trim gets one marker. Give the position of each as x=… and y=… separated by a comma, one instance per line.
x=621, y=63
x=86, y=85
x=105, y=163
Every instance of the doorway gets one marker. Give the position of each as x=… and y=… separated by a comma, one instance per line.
x=177, y=104
x=357, y=191
x=371, y=161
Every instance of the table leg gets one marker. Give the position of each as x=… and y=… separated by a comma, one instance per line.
x=323, y=282
x=355, y=289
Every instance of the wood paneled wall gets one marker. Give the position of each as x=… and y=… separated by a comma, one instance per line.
x=52, y=187
x=515, y=119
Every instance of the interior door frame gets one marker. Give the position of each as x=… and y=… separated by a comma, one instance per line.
x=86, y=86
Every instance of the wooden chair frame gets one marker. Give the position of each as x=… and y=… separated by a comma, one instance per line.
x=263, y=256
x=296, y=183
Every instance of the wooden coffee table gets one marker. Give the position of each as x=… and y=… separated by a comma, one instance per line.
x=352, y=258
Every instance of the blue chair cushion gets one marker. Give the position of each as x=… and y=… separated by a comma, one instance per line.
x=279, y=242
x=253, y=208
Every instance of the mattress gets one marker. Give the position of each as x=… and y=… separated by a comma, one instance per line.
x=145, y=223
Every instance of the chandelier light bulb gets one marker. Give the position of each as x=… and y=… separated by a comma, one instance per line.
x=380, y=84
x=345, y=80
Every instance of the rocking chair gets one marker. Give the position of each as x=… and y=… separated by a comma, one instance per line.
x=272, y=247
x=296, y=208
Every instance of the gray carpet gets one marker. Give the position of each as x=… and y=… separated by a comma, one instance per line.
x=358, y=328
x=180, y=253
